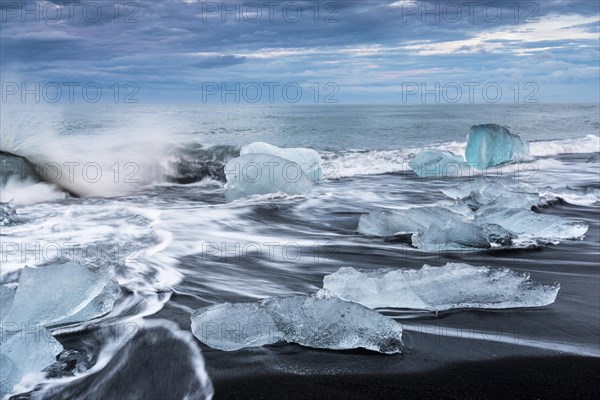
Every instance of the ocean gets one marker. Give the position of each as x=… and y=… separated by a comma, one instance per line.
x=139, y=190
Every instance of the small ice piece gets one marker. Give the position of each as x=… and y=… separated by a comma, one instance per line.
x=25, y=352
x=452, y=286
x=308, y=159
x=7, y=214
x=254, y=174
x=578, y=196
x=320, y=322
x=437, y=163
x=401, y=222
x=507, y=193
x=57, y=294
x=490, y=145
x=532, y=225
x=457, y=235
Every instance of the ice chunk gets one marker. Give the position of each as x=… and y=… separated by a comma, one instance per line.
x=594, y=159
x=452, y=286
x=532, y=225
x=318, y=322
x=308, y=159
x=490, y=145
x=401, y=222
x=23, y=353
x=7, y=214
x=263, y=174
x=430, y=163
x=457, y=235
x=62, y=293
x=507, y=193
x=579, y=196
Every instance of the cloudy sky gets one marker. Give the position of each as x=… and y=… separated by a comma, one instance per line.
x=187, y=51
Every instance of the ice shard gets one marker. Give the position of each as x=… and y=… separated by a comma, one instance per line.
x=309, y=160
x=255, y=174
x=452, y=286
x=437, y=163
x=490, y=145
x=320, y=322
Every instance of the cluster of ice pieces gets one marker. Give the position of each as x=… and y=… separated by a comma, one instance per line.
x=486, y=214
x=488, y=146
x=340, y=315
x=263, y=169
x=452, y=286
x=319, y=322
x=45, y=298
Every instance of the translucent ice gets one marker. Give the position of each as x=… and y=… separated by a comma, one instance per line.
x=401, y=222
x=452, y=286
x=253, y=174
x=319, y=322
x=532, y=225
x=7, y=214
x=57, y=294
x=490, y=145
x=430, y=163
x=481, y=192
x=457, y=235
x=25, y=352
x=308, y=159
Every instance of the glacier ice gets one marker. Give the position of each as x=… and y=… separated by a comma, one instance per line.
x=482, y=192
x=25, y=352
x=308, y=159
x=452, y=286
x=254, y=174
x=457, y=235
x=320, y=322
x=7, y=214
x=490, y=145
x=401, y=222
x=437, y=163
x=532, y=225
x=58, y=294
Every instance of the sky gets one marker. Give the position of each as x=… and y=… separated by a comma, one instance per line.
x=300, y=52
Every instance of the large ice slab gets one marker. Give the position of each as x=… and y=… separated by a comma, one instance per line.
x=401, y=222
x=308, y=159
x=529, y=224
x=490, y=145
x=58, y=294
x=319, y=322
x=25, y=352
x=452, y=286
x=254, y=174
x=437, y=163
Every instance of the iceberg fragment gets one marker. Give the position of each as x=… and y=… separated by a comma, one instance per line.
x=308, y=159
x=58, y=294
x=595, y=159
x=532, y=225
x=459, y=235
x=7, y=214
x=320, y=322
x=23, y=353
x=491, y=145
x=253, y=174
x=452, y=286
x=437, y=163
x=482, y=192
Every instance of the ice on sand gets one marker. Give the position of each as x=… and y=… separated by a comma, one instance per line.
x=319, y=322
x=452, y=286
x=255, y=174
x=58, y=294
x=490, y=145
x=309, y=160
